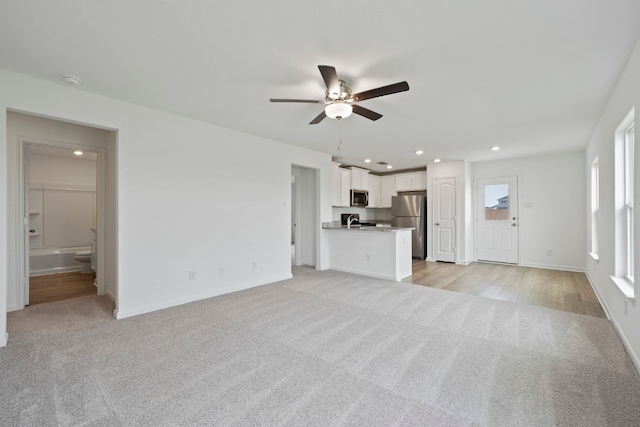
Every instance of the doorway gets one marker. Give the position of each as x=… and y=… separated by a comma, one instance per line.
x=304, y=215
x=60, y=196
x=26, y=130
x=497, y=234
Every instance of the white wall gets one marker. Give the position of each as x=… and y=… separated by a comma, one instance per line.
x=61, y=170
x=187, y=193
x=554, y=186
x=68, y=184
x=625, y=96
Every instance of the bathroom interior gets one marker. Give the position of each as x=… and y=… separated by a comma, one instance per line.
x=62, y=223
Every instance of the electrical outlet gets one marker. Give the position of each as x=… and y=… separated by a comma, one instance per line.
x=192, y=275
x=549, y=252
x=368, y=257
x=220, y=271
x=255, y=265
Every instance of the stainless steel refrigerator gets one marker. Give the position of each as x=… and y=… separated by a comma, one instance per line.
x=411, y=211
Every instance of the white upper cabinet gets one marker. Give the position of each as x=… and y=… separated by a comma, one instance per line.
x=359, y=178
x=335, y=184
x=345, y=187
x=387, y=190
x=374, y=191
x=411, y=181
x=340, y=185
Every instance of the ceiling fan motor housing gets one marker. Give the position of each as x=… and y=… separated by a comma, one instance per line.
x=344, y=93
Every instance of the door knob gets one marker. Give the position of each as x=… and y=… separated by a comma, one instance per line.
x=437, y=223
x=514, y=224
x=32, y=231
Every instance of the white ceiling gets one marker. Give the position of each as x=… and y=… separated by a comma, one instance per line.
x=531, y=76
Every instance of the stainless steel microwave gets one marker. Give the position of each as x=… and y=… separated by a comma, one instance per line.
x=359, y=198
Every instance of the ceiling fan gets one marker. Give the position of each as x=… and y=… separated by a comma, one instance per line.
x=339, y=100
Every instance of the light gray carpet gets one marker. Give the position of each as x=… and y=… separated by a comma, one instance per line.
x=323, y=348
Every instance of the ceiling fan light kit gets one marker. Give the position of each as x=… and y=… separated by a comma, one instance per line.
x=338, y=111
x=340, y=103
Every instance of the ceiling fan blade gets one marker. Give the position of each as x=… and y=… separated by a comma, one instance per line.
x=318, y=118
x=330, y=78
x=381, y=91
x=307, y=101
x=365, y=112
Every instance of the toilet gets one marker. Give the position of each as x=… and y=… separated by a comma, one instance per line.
x=85, y=258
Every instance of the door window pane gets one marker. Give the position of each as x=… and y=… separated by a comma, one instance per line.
x=496, y=202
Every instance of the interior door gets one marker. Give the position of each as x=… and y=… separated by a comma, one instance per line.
x=444, y=222
x=498, y=220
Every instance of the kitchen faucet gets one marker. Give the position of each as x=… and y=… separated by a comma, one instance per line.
x=350, y=220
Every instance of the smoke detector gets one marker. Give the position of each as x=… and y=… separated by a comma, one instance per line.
x=72, y=80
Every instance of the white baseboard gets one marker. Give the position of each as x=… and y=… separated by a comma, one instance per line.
x=553, y=267
x=119, y=314
x=4, y=339
x=368, y=274
x=623, y=338
x=464, y=262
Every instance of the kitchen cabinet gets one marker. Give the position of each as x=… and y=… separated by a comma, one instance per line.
x=412, y=181
x=335, y=184
x=374, y=191
x=340, y=186
x=345, y=187
x=387, y=190
x=359, y=178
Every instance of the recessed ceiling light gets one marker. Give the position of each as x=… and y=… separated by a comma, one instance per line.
x=495, y=148
x=367, y=160
x=389, y=166
x=419, y=152
x=72, y=80
x=436, y=160
x=78, y=153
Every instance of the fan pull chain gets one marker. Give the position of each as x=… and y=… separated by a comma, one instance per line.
x=340, y=136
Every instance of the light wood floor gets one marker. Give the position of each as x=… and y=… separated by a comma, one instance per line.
x=559, y=290
x=57, y=287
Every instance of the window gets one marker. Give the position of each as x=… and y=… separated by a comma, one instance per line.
x=595, y=207
x=624, y=195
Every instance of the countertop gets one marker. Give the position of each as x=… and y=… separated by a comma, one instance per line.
x=331, y=226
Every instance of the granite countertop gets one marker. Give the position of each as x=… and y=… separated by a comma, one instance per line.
x=333, y=226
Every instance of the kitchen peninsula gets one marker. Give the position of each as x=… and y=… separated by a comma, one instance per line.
x=382, y=252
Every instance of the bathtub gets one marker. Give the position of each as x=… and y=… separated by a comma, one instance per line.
x=54, y=260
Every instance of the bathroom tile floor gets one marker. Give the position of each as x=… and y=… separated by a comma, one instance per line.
x=57, y=287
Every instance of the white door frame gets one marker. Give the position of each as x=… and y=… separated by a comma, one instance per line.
x=479, y=202
x=23, y=189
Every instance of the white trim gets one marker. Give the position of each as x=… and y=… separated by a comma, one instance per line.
x=625, y=285
x=54, y=186
x=4, y=339
x=595, y=256
x=553, y=267
x=369, y=274
x=616, y=326
x=118, y=314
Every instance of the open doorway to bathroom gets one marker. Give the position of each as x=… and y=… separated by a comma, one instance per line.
x=61, y=199
x=25, y=131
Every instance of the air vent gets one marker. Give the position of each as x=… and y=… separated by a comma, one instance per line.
x=382, y=163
